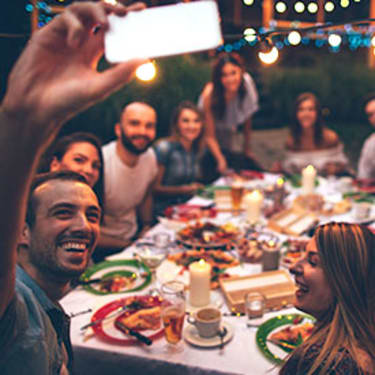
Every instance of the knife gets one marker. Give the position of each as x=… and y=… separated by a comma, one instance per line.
x=142, y=338
x=110, y=316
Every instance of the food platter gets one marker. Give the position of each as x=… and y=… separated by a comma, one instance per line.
x=293, y=249
x=135, y=274
x=277, y=353
x=107, y=331
x=208, y=235
x=187, y=212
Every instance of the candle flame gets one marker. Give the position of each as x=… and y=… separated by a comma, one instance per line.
x=280, y=181
x=202, y=262
x=271, y=243
x=310, y=168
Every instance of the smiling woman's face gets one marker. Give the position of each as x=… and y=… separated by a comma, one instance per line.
x=81, y=157
x=307, y=114
x=314, y=295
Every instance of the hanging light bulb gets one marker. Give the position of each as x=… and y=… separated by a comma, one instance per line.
x=312, y=7
x=294, y=38
x=146, y=72
x=250, y=34
x=299, y=7
x=248, y=2
x=280, y=7
x=344, y=3
x=329, y=6
x=269, y=57
x=334, y=40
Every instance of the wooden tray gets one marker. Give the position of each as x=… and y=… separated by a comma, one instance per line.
x=277, y=286
x=293, y=222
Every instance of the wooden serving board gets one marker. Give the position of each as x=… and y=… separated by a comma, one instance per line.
x=293, y=222
x=277, y=287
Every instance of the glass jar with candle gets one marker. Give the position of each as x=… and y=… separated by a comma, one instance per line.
x=255, y=304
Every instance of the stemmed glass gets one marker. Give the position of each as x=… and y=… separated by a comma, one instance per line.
x=173, y=313
x=153, y=256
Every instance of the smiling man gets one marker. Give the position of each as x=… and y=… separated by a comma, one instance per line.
x=130, y=169
x=59, y=236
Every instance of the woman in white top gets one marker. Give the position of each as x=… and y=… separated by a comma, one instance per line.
x=310, y=142
x=228, y=102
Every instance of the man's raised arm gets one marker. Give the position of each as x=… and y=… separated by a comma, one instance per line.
x=53, y=80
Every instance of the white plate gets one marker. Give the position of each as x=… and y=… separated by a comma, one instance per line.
x=191, y=336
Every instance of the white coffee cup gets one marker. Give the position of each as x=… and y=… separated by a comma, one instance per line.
x=207, y=321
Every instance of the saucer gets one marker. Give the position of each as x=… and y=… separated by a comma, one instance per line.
x=192, y=337
x=216, y=300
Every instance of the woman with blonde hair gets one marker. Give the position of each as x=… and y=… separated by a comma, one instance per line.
x=336, y=285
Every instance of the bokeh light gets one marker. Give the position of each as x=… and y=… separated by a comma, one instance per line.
x=248, y=2
x=299, y=7
x=294, y=38
x=329, y=6
x=312, y=7
x=280, y=7
x=344, y=3
x=146, y=72
x=250, y=34
x=269, y=57
x=334, y=40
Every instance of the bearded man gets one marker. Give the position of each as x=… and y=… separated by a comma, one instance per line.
x=130, y=169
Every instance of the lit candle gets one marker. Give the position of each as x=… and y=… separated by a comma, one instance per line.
x=254, y=201
x=308, y=179
x=200, y=278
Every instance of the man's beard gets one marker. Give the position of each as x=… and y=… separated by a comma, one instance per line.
x=128, y=144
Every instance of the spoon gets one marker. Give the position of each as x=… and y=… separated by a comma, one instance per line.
x=222, y=333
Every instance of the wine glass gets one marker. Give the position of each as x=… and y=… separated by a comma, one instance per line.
x=173, y=313
x=152, y=257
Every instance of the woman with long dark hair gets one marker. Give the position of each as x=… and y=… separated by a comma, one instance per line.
x=79, y=152
x=179, y=158
x=311, y=142
x=228, y=103
x=336, y=285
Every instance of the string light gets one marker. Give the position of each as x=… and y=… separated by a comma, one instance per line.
x=312, y=7
x=299, y=7
x=280, y=7
x=146, y=72
x=294, y=38
x=344, y=3
x=334, y=40
x=269, y=57
x=248, y=2
x=373, y=41
x=250, y=34
x=329, y=6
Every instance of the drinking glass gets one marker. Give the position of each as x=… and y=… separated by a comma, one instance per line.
x=152, y=257
x=255, y=304
x=173, y=313
x=236, y=191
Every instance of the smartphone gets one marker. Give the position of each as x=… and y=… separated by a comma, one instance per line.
x=163, y=31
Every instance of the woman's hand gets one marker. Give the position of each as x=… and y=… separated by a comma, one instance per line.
x=192, y=188
x=222, y=165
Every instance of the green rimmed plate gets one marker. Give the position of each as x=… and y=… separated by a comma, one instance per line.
x=272, y=351
x=125, y=267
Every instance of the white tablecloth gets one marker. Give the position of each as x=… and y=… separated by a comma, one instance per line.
x=240, y=356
